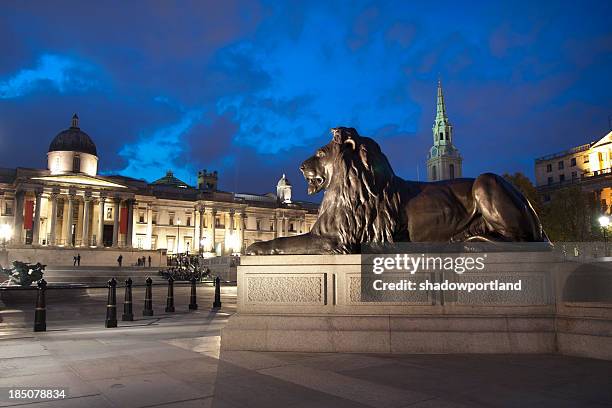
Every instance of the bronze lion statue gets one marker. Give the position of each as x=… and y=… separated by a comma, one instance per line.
x=365, y=202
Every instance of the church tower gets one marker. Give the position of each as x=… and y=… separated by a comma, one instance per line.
x=443, y=159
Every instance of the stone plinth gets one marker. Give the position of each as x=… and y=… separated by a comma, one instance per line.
x=313, y=303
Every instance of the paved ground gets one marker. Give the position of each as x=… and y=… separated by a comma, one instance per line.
x=174, y=361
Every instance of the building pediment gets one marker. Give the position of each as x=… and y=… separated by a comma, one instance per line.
x=603, y=141
x=79, y=179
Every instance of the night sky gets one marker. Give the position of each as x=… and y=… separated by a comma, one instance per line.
x=251, y=88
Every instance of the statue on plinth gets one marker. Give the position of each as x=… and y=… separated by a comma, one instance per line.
x=366, y=203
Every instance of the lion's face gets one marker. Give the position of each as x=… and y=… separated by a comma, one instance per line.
x=318, y=169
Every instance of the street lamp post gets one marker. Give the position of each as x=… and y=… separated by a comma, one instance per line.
x=604, y=222
x=6, y=232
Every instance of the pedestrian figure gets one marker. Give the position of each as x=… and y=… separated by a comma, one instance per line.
x=78, y=259
x=74, y=261
x=149, y=261
x=120, y=259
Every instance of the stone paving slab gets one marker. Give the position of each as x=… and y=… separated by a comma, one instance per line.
x=173, y=360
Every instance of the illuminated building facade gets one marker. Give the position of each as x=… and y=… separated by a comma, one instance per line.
x=588, y=165
x=70, y=205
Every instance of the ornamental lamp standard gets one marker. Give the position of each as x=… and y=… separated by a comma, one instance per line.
x=6, y=233
x=604, y=222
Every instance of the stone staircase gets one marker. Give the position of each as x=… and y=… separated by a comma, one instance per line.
x=99, y=275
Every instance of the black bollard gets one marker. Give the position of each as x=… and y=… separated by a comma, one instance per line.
x=217, y=302
x=193, y=305
x=111, y=304
x=128, y=314
x=148, y=304
x=170, y=299
x=40, y=315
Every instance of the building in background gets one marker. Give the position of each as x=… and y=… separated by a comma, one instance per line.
x=443, y=160
x=70, y=205
x=588, y=165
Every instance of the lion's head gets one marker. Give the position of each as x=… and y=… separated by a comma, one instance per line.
x=346, y=153
x=359, y=205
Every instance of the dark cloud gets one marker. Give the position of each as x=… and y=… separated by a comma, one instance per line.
x=251, y=88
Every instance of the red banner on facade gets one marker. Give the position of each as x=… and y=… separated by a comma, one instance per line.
x=123, y=221
x=29, y=215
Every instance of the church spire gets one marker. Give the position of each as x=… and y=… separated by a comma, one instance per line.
x=441, y=107
x=443, y=160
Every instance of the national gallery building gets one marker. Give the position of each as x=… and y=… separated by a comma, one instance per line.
x=68, y=205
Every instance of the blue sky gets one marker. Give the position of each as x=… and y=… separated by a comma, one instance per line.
x=251, y=88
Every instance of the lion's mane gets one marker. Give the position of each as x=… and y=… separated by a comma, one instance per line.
x=361, y=204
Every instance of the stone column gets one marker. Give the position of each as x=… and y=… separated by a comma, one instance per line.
x=18, y=219
x=116, y=222
x=214, y=229
x=275, y=226
x=241, y=220
x=53, y=223
x=232, y=231
x=130, y=229
x=281, y=226
x=149, y=226
x=201, y=232
x=86, y=205
x=100, y=242
x=69, y=219
x=36, y=226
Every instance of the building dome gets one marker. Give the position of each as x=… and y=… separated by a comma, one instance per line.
x=73, y=139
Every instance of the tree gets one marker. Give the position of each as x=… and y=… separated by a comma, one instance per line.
x=571, y=216
x=524, y=185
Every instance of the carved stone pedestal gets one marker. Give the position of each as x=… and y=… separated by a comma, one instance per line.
x=312, y=303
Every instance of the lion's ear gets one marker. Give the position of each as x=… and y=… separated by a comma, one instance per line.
x=337, y=136
x=342, y=135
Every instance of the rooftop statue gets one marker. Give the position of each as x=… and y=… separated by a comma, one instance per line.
x=365, y=202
